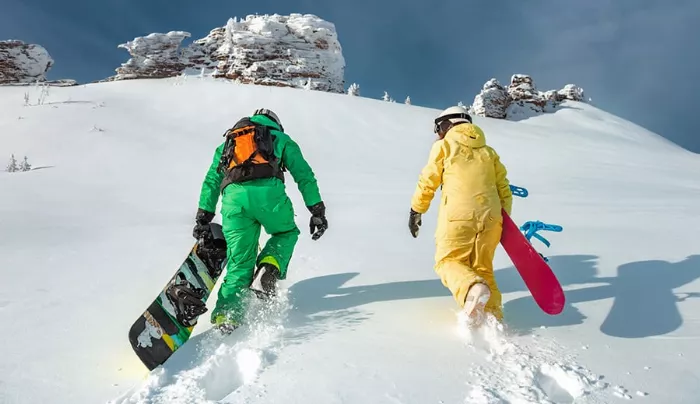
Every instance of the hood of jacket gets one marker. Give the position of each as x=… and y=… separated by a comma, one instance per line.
x=468, y=134
x=263, y=120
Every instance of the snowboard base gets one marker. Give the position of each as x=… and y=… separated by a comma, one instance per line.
x=535, y=272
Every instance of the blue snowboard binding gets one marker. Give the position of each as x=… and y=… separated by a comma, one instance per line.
x=530, y=230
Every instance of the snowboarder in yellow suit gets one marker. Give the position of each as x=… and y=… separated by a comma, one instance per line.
x=474, y=189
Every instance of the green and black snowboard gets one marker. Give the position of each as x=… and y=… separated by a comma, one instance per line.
x=168, y=322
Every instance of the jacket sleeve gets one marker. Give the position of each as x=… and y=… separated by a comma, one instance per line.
x=430, y=179
x=503, y=185
x=209, y=195
x=301, y=172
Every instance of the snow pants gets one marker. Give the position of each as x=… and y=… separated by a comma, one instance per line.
x=246, y=208
x=464, y=256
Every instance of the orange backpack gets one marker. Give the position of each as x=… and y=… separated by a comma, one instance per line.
x=248, y=153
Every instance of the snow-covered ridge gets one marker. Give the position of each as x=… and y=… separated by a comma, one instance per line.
x=287, y=51
x=521, y=98
x=23, y=63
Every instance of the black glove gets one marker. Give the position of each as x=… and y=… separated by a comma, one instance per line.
x=202, y=221
x=318, y=223
x=414, y=223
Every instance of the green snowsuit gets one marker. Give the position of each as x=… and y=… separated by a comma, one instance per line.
x=249, y=205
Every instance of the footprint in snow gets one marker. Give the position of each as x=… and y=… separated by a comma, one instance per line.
x=534, y=374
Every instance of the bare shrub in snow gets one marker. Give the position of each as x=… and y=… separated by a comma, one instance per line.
x=25, y=166
x=43, y=90
x=43, y=94
x=12, y=165
x=354, y=89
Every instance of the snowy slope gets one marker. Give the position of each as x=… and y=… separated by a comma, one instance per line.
x=90, y=235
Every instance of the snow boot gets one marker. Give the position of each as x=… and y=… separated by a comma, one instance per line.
x=224, y=325
x=474, y=304
x=265, y=280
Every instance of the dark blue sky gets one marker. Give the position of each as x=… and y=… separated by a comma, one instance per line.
x=638, y=59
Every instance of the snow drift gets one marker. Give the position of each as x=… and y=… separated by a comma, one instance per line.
x=104, y=217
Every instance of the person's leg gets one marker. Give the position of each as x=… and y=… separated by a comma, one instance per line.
x=274, y=210
x=454, y=257
x=485, y=248
x=242, y=233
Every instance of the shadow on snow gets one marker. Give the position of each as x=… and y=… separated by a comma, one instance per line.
x=644, y=302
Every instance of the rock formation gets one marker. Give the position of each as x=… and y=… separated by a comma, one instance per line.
x=23, y=63
x=521, y=98
x=289, y=51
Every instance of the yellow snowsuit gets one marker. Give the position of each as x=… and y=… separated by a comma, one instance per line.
x=474, y=188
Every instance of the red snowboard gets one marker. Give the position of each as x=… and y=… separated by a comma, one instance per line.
x=538, y=276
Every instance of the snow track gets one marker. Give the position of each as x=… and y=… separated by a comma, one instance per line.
x=526, y=370
x=212, y=366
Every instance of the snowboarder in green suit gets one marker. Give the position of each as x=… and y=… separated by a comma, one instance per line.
x=248, y=172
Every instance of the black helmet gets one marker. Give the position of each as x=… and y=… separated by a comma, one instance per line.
x=268, y=113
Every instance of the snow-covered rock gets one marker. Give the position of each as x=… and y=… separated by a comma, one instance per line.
x=492, y=101
x=521, y=99
x=23, y=63
x=570, y=92
x=522, y=87
x=153, y=56
x=287, y=51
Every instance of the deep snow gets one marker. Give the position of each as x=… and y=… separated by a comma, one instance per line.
x=89, y=236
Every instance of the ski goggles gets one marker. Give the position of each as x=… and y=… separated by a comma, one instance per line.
x=442, y=123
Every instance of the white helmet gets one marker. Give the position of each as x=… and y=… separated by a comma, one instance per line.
x=454, y=114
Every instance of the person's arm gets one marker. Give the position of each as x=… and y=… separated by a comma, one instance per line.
x=303, y=175
x=301, y=172
x=209, y=195
x=430, y=179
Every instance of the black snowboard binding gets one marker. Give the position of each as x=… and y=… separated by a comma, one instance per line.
x=187, y=301
x=212, y=251
x=265, y=281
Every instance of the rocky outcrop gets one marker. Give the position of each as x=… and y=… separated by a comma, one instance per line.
x=23, y=63
x=289, y=51
x=521, y=98
x=492, y=101
x=153, y=56
x=570, y=92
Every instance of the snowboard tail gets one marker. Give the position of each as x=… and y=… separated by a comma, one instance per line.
x=168, y=321
x=537, y=275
